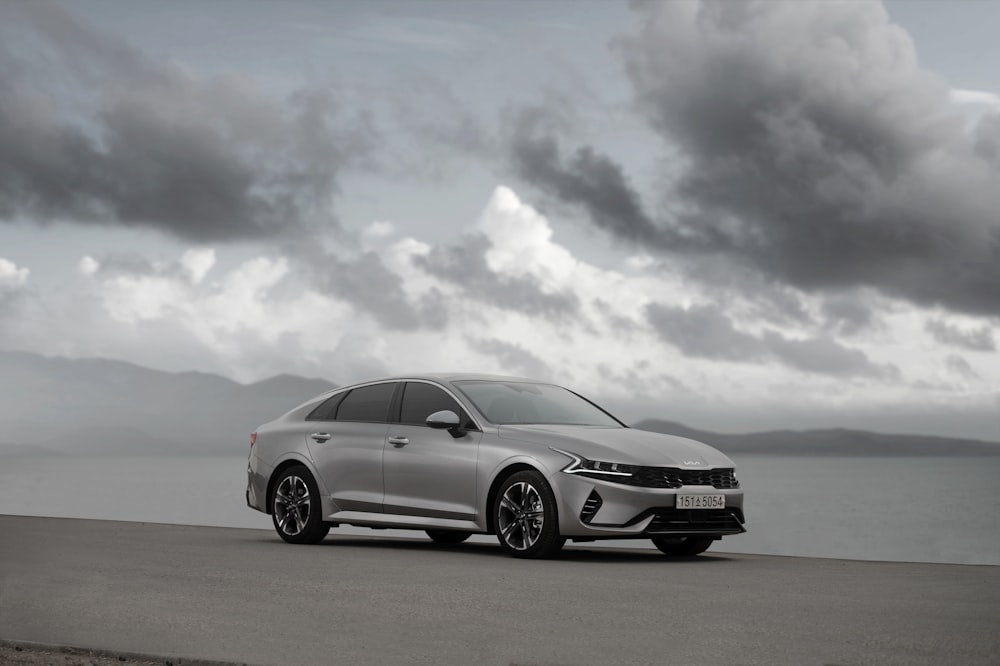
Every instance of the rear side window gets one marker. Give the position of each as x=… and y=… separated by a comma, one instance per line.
x=368, y=403
x=326, y=409
x=421, y=400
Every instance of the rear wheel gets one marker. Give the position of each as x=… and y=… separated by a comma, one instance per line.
x=526, y=517
x=448, y=536
x=682, y=546
x=296, y=512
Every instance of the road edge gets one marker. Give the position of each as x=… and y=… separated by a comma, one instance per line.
x=79, y=651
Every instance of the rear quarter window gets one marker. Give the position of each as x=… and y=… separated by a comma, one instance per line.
x=326, y=410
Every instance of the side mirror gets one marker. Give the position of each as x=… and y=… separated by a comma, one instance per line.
x=446, y=420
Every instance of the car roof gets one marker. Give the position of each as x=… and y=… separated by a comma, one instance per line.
x=454, y=377
x=446, y=377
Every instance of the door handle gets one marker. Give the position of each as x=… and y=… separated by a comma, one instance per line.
x=399, y=441
x=320, y=436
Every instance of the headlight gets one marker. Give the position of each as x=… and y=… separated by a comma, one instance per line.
x=596, y=469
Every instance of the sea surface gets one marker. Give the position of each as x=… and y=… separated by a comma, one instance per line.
x=901, y=509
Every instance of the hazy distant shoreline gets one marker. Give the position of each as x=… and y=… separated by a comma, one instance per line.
x=825, y=443
x=828, y=442
x=861, y=508
x=57, y=406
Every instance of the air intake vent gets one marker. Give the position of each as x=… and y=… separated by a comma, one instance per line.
x=591, y=507
x=698, y=521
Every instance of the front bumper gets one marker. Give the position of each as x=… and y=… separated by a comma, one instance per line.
x=592, y=508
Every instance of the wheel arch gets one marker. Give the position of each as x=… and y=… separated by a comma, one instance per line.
x=498, y=479
x=291, y=461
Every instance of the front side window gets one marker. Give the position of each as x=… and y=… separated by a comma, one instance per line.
x=523, y=403
x=420, y=400
x=368, y=403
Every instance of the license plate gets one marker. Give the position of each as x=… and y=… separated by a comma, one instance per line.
x=701, y=501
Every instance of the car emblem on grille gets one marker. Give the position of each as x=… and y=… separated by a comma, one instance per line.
x=692, y=462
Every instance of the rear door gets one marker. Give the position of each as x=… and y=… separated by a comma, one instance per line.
x=428, y=472
x=346, y=442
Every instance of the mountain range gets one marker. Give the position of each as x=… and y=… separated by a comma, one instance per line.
x=104, y=407
x=827, y=442
x=60, y=405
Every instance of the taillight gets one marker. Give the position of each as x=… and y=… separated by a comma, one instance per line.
x=253, y=439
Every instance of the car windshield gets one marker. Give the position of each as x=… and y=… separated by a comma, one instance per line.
x=523, y=403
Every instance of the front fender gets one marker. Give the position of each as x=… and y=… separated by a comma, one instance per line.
x=499, y=469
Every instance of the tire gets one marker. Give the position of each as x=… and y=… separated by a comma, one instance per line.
x=526, y=517
x=448, y=536
x=682, y=546
x=295, y=507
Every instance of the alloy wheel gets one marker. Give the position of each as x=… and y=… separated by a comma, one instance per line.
x=291, y=505
x=520, y=516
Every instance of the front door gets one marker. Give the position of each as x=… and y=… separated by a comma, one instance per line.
x=428, y=472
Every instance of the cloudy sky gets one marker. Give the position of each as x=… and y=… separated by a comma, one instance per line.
x=734, y=215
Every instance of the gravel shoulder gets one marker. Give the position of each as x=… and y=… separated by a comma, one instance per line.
x=18, y=653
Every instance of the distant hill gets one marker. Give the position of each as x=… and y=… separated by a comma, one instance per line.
x=103, y=406
x=54, y=406
x=827, y=442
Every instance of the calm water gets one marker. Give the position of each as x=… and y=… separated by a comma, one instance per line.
x=909, y=509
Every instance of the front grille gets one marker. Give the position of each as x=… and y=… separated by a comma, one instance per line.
x=693, y=521
x=672, y=477
x=591, y=507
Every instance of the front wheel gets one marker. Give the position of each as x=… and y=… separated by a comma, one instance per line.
x=682, y=546
x=525, y=516
x=296, y=512
x=448, y=536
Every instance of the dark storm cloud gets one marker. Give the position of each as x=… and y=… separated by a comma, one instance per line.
x=514, y=358
x=94, y=131
x=847, y=315
x=825, y=356
x=806, y=143
x=464, y=264
x=976, y=339
x=762, y=296
x=959, y=366
x=704, y=331
x=585, y=177
x=365, y=282
x=623, y=326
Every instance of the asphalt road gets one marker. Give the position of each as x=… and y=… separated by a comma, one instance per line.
x=245, y=596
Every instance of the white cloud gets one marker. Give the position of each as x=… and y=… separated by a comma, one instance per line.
x=377, y=231
x=89, y=266
x=130, y=299
x=980, y=97
x=11, y=276
x=197, y=263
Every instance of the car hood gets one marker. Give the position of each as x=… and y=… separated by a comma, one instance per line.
x=622, y=445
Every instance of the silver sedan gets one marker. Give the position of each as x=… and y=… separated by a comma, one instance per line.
x=454, y=455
